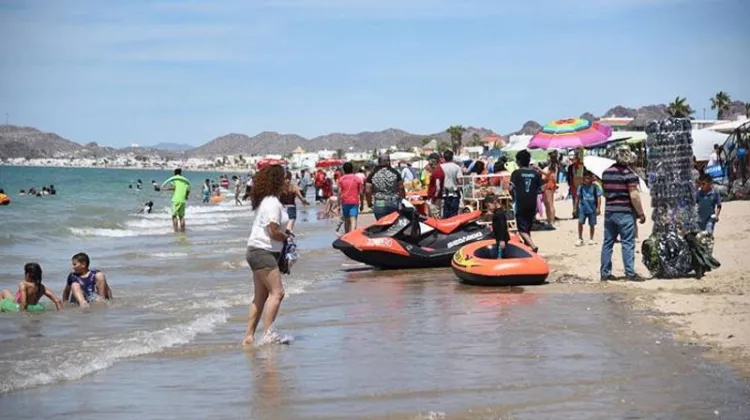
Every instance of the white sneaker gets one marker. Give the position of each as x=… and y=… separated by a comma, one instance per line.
x=579, y=242
x=592, y=242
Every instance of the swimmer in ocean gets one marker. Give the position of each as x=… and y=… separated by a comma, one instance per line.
x=147, y=206
x=85, y=285
x=31, y=289
x=181, y=187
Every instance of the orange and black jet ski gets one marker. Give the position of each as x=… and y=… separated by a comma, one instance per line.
x=407, y=239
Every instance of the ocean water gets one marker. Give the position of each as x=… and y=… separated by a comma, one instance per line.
x=168, y=287
x=367, y=343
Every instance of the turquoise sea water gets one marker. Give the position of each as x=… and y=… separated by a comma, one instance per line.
x=168, y=287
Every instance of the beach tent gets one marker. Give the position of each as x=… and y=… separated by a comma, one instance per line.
x=729, y=127
x=704, y=140
x=517, y=143
x=396, y=156
x=597, y=165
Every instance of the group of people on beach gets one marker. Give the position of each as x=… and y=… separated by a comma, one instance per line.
x=82, y=287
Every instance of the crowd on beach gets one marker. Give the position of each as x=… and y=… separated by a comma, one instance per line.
x=343, y=192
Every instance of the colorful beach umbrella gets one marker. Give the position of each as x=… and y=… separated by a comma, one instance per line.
x=569, y=134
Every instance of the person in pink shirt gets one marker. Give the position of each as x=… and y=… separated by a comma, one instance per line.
x=350, y=189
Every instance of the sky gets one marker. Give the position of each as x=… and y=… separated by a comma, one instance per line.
x=145, y=72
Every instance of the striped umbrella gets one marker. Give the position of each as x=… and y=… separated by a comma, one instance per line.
x=569, y=134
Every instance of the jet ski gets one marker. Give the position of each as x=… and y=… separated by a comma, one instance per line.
x=407, y=239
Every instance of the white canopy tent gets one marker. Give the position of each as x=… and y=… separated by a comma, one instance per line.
x=704, y=140
x=517, y=143
x=729, y=127
x=396, y=156
x=597, y=165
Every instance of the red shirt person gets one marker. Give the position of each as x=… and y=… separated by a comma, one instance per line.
x=350, y=190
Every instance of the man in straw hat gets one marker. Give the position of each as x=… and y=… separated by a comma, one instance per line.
x=623, y=205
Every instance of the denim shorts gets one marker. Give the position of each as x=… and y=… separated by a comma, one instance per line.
x=349, y=210
x=291, y=211
x=590, y=216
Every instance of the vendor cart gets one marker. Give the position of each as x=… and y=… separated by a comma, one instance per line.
x=474, y=189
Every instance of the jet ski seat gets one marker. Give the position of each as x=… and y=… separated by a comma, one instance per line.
x=447, y=226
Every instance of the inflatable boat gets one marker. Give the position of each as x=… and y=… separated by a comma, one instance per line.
x=477, y=264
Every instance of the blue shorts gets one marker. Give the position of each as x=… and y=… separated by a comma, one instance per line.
x=582, y=218
x=350, y=210
x=291, y=211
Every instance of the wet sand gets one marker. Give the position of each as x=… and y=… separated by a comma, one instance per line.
x=713, y=311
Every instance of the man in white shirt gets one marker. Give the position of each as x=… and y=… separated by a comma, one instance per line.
x=451, y=185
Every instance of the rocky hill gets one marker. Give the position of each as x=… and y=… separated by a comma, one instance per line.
x=736, y=109
x=30, y=142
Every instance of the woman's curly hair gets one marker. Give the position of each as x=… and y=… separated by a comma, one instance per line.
x=269, y=181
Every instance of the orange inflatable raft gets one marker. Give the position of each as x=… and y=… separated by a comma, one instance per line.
x=4, y=200
x=477, y=264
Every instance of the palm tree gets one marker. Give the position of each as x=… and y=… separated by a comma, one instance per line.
x=476, y=139
x=679, y=108
x=747, y=109
x=721, y=102
x=456, y=132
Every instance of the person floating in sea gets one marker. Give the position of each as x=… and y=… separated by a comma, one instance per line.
x=181, y=187
x=155, y=185
x=31, y=289
x=147, y=207
x=85, y=285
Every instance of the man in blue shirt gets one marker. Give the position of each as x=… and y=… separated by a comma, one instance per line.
x=709, y=204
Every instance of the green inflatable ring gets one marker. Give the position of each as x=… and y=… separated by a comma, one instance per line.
x=10, y=305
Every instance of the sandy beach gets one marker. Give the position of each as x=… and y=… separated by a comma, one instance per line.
x=714, y=311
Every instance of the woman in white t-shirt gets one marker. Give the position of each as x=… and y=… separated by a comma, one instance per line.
x=264, y=247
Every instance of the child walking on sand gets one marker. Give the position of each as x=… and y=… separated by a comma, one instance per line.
x=31, y=289
x=709, y=204
x=588, y=204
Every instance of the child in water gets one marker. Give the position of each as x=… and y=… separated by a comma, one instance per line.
x=147, y=207
x=499, y=223
x=31, y=289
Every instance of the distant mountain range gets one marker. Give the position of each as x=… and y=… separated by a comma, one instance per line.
x=174, y=147
x=31, y=143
